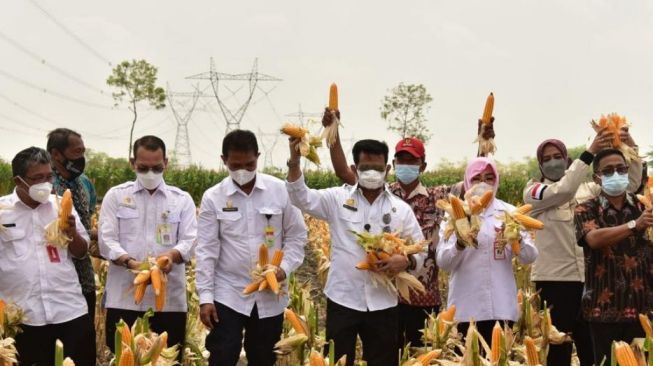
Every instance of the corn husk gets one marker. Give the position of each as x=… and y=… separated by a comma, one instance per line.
x=615, y=123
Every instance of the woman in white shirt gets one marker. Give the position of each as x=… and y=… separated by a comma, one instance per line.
x=481, y=282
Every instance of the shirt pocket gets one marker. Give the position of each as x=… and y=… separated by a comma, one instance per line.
x=128, y=221
x=562, y=213
x=351, y=220
x=14, y=247
x=231, y=224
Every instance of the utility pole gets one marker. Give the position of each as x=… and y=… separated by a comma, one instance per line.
x=182, y=112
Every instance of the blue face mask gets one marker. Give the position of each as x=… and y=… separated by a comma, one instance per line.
x=615, y=184
x=406, y=173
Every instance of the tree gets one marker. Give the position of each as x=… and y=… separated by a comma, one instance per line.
x=405, y=108
x=136, y=82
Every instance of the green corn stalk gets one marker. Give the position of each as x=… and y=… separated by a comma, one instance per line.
x=476, y=358
x=117, y=340
x=332, y=353
x=58, y=353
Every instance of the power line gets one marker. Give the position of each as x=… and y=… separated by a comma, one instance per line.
x=79, y=40
x=43, y=62
x=51, y=92
x=53, y=122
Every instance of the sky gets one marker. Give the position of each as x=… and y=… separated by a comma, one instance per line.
x=552, y=65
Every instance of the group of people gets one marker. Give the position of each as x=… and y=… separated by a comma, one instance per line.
x=591, y=262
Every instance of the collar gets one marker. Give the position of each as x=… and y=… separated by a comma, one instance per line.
x=232, y=188
x=15, y=202
x=630, y=200
x=419, y=190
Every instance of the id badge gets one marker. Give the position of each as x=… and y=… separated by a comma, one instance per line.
x=164, y=234
x=499, y=252
x=53, y=254
x=269, y=236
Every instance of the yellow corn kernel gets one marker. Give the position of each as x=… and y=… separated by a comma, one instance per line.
x=333, y=97
x=489, y=107
x=528, y=222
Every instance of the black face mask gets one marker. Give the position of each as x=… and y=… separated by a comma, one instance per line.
x=74, y=167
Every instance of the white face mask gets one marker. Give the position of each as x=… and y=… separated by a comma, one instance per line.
x=40, y=192
x=242, y=176
x=480, y=188
x=149, y=180
x=371, y=179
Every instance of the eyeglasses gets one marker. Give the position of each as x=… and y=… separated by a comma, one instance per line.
x=609, y=170
x=145, y=169
x=40, y=178
x=484, y=178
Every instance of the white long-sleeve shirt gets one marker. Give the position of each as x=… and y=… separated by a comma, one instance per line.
x=347, y=210
x=481, y=282
x=44, y=284
x=129, y=220
x=231, y=230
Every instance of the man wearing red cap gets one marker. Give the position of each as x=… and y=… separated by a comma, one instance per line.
x=409, y=161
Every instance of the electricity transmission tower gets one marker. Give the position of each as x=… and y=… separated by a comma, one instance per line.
x=182, y=112
x=233, y=116
x=268, y=142
x=302, y=116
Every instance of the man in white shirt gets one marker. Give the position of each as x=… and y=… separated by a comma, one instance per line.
x=38, y=276
x=355, y=306
x=146, y=219
x=236, y=216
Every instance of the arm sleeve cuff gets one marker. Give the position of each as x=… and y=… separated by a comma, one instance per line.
x=206, y=298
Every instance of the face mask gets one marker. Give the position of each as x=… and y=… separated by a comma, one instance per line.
x=480, y=188
x=554, y=169
x=615, y=184
x=39, y=192
x=406, y=173
x=149, y=180
x=371, y=179
x=242, y=176
x=75, y=166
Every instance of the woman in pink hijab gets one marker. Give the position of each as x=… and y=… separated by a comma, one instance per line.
x=481, y=282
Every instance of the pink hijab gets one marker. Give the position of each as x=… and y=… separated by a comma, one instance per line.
x=476, y=167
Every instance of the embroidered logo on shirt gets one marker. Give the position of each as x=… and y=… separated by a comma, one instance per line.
x=350, y=204
x=229, y=207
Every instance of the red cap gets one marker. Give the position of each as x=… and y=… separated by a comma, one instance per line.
x=411, y=145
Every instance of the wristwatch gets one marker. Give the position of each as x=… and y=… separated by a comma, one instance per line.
x=632, y=224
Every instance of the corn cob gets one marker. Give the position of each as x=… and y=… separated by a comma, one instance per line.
x=163, y=261
x=127, y=357
x=139, y=292
x=160, y=298
x=486, y=198
x=294, y=131
x=271, y=279
x=514, y=247
x=312, y=155
x=528, y=222
x=294, y=320
x=277, y=257
x=252, y=287
x=524, y=209
x=532, y=357
x=426, y=358
x=496, y=343
x=263, y=255
x=153, y=354
x=646, y=325
x=364, y=265
x=316, y=359
x=624, y=354
x=3, y=305
x=263, y=285
x=68, y=362
x=333, y=97
x=457, y=207
x=446, y=315
x=155, y=276
x=142, y=277
x=125, y=335
x=65, y=209
x=489, y=107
